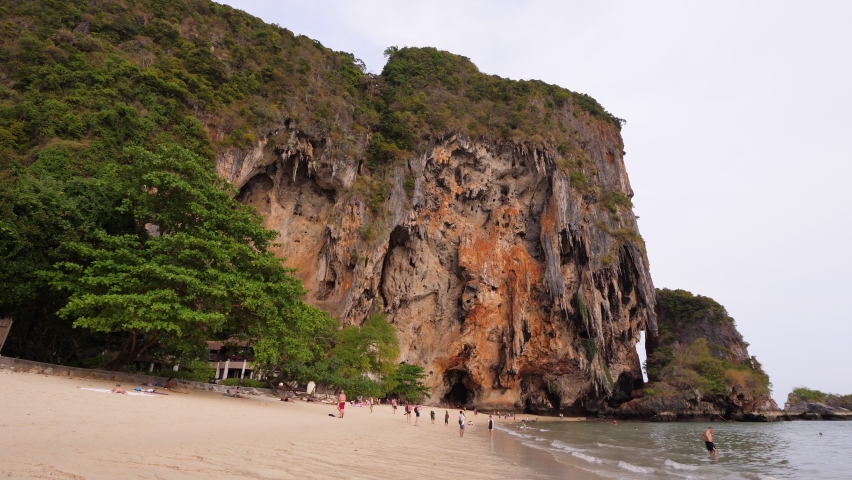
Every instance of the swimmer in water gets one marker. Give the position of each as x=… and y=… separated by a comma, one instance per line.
x=707, y=436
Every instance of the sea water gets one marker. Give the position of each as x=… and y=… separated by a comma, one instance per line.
x=644, y=450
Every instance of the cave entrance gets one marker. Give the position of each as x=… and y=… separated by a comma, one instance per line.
x=459, y=395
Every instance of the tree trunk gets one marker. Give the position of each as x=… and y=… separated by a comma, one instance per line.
x=129, y=352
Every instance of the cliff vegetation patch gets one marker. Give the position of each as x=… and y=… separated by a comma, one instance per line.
x=700, y=351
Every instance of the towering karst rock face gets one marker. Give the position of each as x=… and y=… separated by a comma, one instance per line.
x=514, y=278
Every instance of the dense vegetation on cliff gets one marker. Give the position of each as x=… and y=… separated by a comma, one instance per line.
x=700, y=351
x=88, y=92
x=115, y=234
x=427, y=93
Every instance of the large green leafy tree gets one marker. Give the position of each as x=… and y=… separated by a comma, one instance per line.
x=360, y=359
x=409, y=382
x=51, y=204
x=370, y=348
x=197, y=266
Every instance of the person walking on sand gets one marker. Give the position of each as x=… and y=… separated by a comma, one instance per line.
x=407, y=412
x=393, y=405
x=461, y=423
x=432, y=415
x=446, y=418
x=490, y=426
x=707, y=436
x=341, y=403
x=416, y=415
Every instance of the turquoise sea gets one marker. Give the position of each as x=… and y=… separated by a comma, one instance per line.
x=644, y=450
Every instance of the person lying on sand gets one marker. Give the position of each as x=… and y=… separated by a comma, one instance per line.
x=118, y=389
x=236, y=394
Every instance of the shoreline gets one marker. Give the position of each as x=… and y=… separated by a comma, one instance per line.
x=27, y=366
x=52, y=427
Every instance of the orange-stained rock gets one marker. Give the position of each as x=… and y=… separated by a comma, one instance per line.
x=485, y=269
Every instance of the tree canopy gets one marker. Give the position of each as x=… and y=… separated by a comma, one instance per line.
x=195, y=266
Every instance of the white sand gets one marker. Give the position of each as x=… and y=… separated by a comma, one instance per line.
x=49, y=428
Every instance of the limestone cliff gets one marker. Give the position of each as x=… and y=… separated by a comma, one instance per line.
x=508, y=271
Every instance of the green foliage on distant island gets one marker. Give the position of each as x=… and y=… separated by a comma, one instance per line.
x=681, y=368
x=688, y=360
x=684, y=305
x=680, y=307
x=804, y=394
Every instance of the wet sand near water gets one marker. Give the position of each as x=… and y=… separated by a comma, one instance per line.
x=49, y=428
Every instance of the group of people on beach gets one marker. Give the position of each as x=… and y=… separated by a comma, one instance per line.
x=417, y=409
x=707, y=436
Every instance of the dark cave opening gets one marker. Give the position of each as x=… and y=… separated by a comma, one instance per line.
x=459, y=395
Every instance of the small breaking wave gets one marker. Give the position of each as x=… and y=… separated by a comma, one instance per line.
x=563, y=446
x=680, y=466
x=634, y=468
x=539, y=439
x=535, y=446
x=588, y=458
x=543, y=430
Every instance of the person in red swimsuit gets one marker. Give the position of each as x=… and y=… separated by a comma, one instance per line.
x=341, y=402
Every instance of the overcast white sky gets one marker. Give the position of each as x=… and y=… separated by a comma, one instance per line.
x=739, y=117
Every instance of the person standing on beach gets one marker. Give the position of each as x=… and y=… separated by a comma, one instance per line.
x=407, y=412
x=432, y=414
x=393, y=404
x=416, y=415
x=341, y=403
x=490, y=426
x=707, y=436
x=461, y=423
x=446, y=418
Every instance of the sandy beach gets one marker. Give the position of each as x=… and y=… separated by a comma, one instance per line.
x=50, y=428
